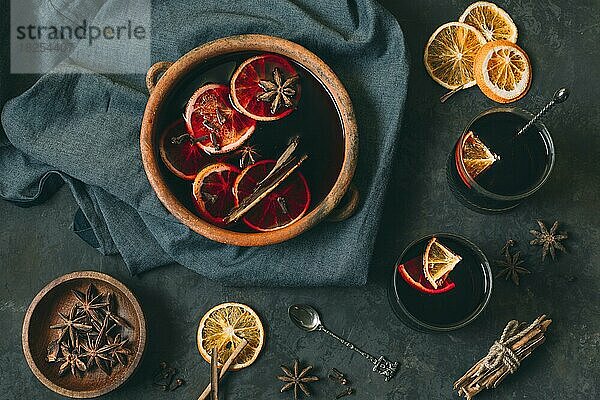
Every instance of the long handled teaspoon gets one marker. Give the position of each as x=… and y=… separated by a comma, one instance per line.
x=307, y=318
x=560, y=96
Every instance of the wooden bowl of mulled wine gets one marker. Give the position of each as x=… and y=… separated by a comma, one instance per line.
x=321, y=117
x=58, y=296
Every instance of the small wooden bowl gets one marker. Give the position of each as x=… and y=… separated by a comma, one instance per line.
x=163, y=77
x=37, y=334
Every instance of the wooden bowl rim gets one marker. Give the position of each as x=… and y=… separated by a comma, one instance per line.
x=240, y=43
x=35, y=302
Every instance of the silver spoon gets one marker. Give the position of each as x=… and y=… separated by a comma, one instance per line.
x=307, y=318
x=559, y=96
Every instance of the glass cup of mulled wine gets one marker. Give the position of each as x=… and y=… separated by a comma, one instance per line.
x=441, y=282
x=491, y=169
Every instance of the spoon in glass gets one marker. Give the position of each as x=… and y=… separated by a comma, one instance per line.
x=307, y=318
x=560, y=95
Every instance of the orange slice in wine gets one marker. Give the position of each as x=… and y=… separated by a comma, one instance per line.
x=212, y=192
x=412, y=273
x=438, y=262
x=477, y=158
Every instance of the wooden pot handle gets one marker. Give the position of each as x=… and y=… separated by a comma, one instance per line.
x=155, y=72
x=347, y=206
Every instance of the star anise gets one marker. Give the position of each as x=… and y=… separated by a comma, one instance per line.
x=70, y=360
x=548, y=239
x=72, y=325
x=248, y=155
x=118, y=352
x=278, y=91
x=90, y=302
x=511, y=266
x=296, y=379
x=96, y=353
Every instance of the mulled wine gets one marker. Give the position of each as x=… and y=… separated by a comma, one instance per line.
x=444, y=298
x=490, y=169
x=264, y=130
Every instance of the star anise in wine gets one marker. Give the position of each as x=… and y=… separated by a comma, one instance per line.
x=97, y=353
x=248, y=155
x=90, y=302
x=296, y=379
x=550, y=240
x=70, y=360
x=278, y=92
x=118, y=352
x=72, y=325
x=511, y=266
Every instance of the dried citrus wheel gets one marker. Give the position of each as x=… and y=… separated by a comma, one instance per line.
x=265, y=87
x=210, y=115
x=183, y=158
x=492, y=21
x=502, y=71
x=223, y=327
x=450, y=52
x=412, y=273
x=438, y=262
x=286, y=204
x=212, y=191
x=476, y=156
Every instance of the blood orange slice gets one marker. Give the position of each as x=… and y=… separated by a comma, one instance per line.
x=265, y=87
x=286, y=204
x=182, y=157
x=412, y=272
x=212, y=191
x=209, y=115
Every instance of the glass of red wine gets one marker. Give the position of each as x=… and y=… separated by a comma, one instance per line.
x=445, y=298
x=492, y=169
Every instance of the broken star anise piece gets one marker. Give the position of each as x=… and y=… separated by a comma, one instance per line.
x=72, y=325
x=511, y=266
x=70, y=360
x=53, y=351
x=550, y=240
x=296, y=379
x=90, y=302
x=278, y=92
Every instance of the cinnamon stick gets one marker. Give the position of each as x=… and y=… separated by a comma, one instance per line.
x=477, y=378
x=214, y=379
x=225, y=367
x=265, y=187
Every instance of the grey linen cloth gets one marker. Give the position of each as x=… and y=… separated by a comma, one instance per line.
x=83, y=129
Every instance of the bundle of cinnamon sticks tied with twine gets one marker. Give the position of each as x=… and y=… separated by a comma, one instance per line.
x=216, y=375
x=516, y=343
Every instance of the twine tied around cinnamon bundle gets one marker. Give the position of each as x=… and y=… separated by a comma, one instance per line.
x=516, y=343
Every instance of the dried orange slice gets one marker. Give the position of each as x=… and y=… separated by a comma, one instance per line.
x=476, y=156
x=492, y=21
x=450, y=53
x=438, y=261
x=502, y=71
x=223, y=327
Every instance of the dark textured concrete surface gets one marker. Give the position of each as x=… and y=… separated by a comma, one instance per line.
x=561, y=38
